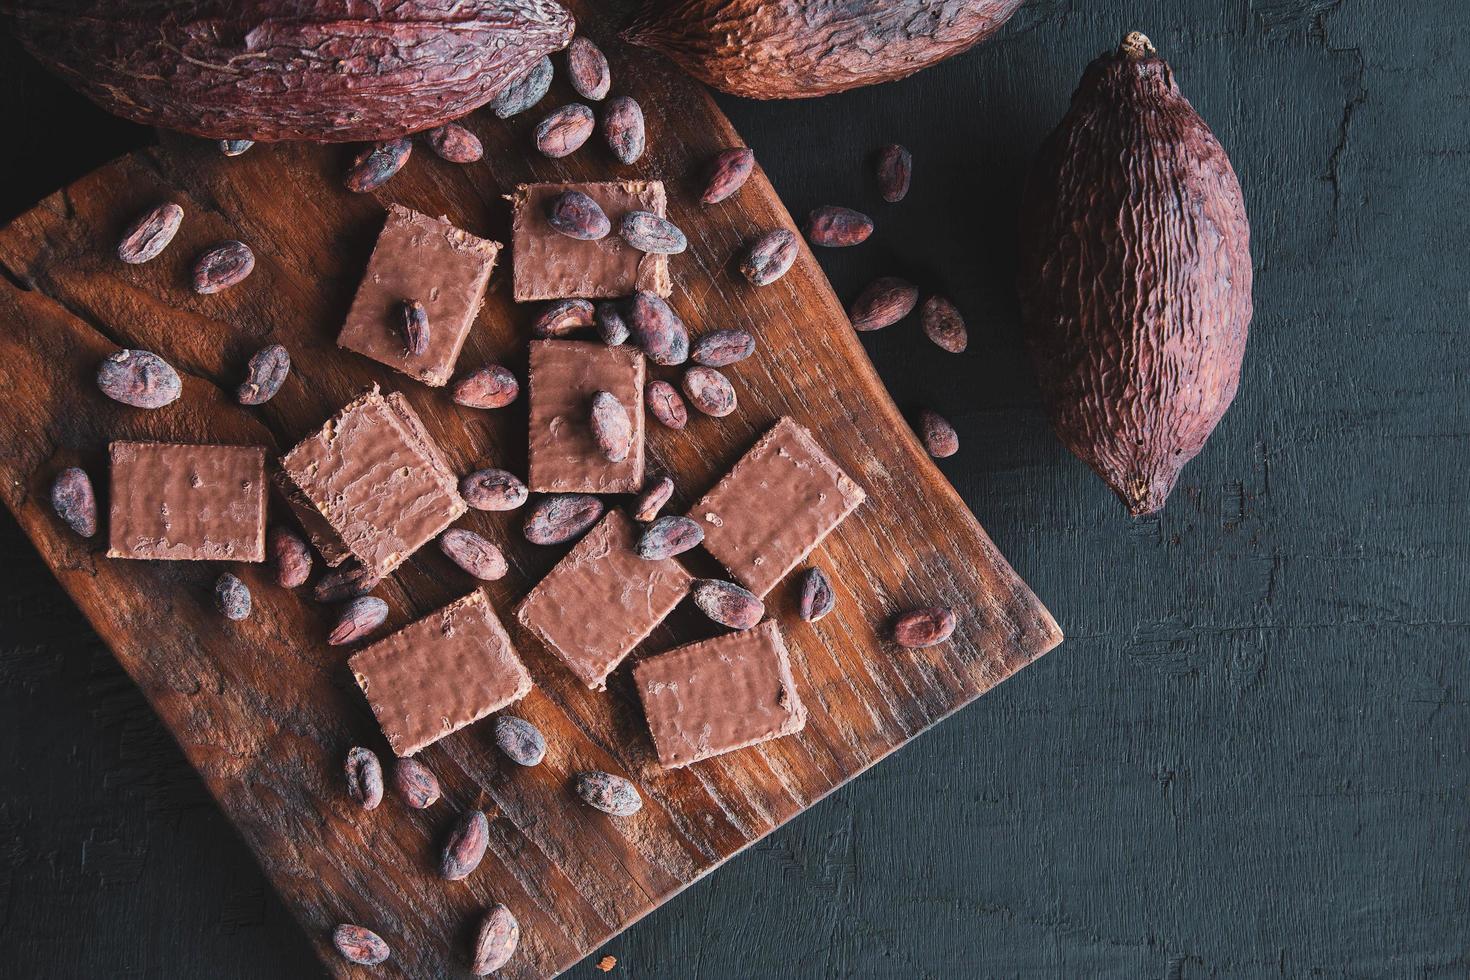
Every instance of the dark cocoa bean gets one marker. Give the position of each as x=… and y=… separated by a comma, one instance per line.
x=454, y=143
x=347, y=582
x=611, y=326
x=658, y=330
x=924, y=627
x=74, y=500
x=669, y=536
x=416, y=784
x=837, y=227
x=564, y=131
x=473, y=553
x=576, y=215
x=233, y=148
x=943, y=324
x=883, y=303
x=413, y=322
x=727, y=603
x=264, y=375
x=492, y=386
x=709, y=391
x=150, y=234
x=666, y=404
x=722, y=348
x=495, y=941
x=493, y=489
x=372, y=167
x=938, y=436
x=361, y=946
x=521, y=741
x=223, y=266
x=587, y=69
x=816, y=595
x=563, y=318
x=647, y=232
x=232, y=597
x=651, y=498
x=769, y=258
x=608, y=793
x=895, y=168
x=560, y=517
x=464, y=849
x=364, y=777
x=290, y=557
x=623, y=128
x=524, y=92
x=611, y=426
x=138, y=378
x=727, y=173
x=357, y=619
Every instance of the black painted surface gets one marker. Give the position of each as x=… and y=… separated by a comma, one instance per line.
x=1249, y=758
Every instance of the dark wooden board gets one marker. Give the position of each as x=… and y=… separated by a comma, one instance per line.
x=265, y=709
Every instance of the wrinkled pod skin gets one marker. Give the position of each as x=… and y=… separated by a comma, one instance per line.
x=1135, y=276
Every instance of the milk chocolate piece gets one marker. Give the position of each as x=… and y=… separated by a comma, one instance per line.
x=602, y=600
x=549, y=265
x=435, y=676
x=429, y=260
x=187, y=503
x=377, y=480
x=318, y=531
x=777, y=504
x=715, y=696
x=564, y=455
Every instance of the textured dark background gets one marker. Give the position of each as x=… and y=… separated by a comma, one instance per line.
x=1249, y=759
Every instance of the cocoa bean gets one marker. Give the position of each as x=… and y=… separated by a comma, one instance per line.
x=560, y=517
x=669, y=536
x=454, y=143
x=943, y=324
x=727, y=173
x=647, y=232
x=489, y=387
x=587, y=69
x=524, y=92
x=495, y=941
x=938, y=436
x=576, y=215
x=473, y=553
x=658, y=330
x=138, y=378
x=264, y=375
x=769, y=258
x=150, y=234
x=611, y=326
x=464, y=849
x=727, y=603
x=623, y=128
x=521, y=741
x=924, y=627
x=74, y=500
x=564, y=131
x=357, y=619
x=233, y=148
x=414, y=323
x=416, y=784
x=651, y=498
x=372, y=167
x=223, y=266
x=290, y=557
x=721, y=348
x=493, y=489
x=709, y=391
x=563, y=318
x=608, y=793
x=348, y=582
x=895, y=168
x=837, y=227
x=882, y=303
x=666, y=404
x=361, y=946
x=232, y=597
x=364, y=777
x=611, y=426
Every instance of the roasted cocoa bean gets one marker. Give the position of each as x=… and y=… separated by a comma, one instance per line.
x=611, y=426
x=264, y=375
x=658, y=330
x=938, y=436
x=727, y=173
x=372, y=167
x=883, y=303
x=492, y=386
x=223, y=266
x=348, y=582
x=669, y=536
x=290, y=557
x=561, y=517
x=895, y=168
x=74, y=500
x=576, y=215
x=587, y=69
x=413, y=323
x=564, y=131
x=150, y=234
x=361, y=946
x=416, y=784
x=608, y=793
x=454, y=143
x=495, y=941
x=816, y=597
x=364, y=777
x=138, y=378
x=943, y=324
x=233, y=148
x=924, y=627
x=721, y=348
x=709, y=391
x=623, y=128
x=524, y=92
x=464, y=849
x=769, y=258
x=563, y=318
x=727, y=603
x=666, y=404
x=232, y=597
x=521, y=741
x=837, y=227
x=651, y=498
x=647, y=232
x=473, y=553
x=493, y=489
x=611, y=326
x=357, y=619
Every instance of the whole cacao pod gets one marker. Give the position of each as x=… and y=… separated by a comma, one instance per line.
x=1135, y=276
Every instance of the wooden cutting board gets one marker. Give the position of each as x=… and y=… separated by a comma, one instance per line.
x=266, y=710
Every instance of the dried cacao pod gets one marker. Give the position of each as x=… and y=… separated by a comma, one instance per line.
x=330, y=71
x=1135, y=275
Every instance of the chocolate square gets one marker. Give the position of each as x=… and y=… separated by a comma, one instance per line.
x=549, y=265
x=187, y=503
x=564, y=457
x=602, y=600
x=439, y=674
x=426, y=259
x=776, y=505
x=704, y=699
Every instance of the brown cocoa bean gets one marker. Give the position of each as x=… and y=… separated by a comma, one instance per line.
x=587, y=69
x=666, y=404
x=564, y=131
x=560, y=517
x=608, y=793
x=943, y=324
x=473, y=553
x=816, y=595
x=837, y=227
x=413, y=322
x=647, y=232
x=895, y=168
x=523, y=92
x=611, y=326
x=264, y=375
x=358, y=945
x=233, y=148
x=576, y=215
x=883, y=303
x=611, y=426
x=521, y=741
x=364, y=777
x=495, y=941
x=727, y=603
x=416, y=784
x=709, y=391
x=348, y=582
x=148, y=236
x=658, y=330
x=721, y=348
x=454, y=143
x=290, y=557
x=623, y=128
x=373, y=166
x=492, y=386
x=669, y=536
x=232, y=597
x=938, y=436
x=493, y=489
x=223, y=266
x=357, y=619
x=769, y=258
x=727, y=173
x=651, y=498
x=924, y=627
x=563, y=318
x=464, y=849
x=138, y=378
x=74, y=500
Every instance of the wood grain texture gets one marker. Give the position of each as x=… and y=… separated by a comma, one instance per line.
x=265, y=709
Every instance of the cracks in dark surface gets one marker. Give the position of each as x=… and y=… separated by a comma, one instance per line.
x=1358, y=97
